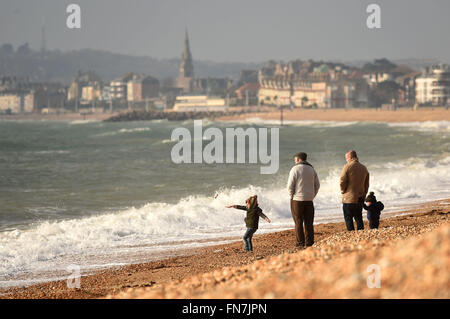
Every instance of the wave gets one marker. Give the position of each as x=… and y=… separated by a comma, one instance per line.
x=77, y=122
x=427, y=126
x=199, y=220
x=51, y=152
x=124, y=130
x=317, y=123
x=168, y=141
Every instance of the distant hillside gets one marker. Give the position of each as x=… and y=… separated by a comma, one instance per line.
x=413, y=63
x=62, y=66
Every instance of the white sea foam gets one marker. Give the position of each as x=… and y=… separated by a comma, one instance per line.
x=168, y=141
x=76, y=122
x=317, y=123
x=427, y=126
x=198, y=220
x=51, y=152
x=132, y=130
x=124, y=131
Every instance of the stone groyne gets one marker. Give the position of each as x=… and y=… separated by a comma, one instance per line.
x=175, y=116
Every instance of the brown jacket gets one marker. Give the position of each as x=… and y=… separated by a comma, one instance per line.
x=354, y=182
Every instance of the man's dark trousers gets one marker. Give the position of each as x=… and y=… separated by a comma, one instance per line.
x=353, y=211
x=303, y=214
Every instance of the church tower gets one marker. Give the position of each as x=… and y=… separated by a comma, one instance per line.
x=186, y=66
x=186, y=78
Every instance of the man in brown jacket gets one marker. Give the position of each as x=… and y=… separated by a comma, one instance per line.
x=354, y=186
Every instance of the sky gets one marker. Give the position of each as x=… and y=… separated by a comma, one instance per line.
x=236, y=30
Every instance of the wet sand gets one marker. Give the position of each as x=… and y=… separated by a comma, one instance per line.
x=350, y=115
x=224, y=271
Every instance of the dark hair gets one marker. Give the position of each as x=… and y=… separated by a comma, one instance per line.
x=301, y=156
x=352, y=154
x=371, y=198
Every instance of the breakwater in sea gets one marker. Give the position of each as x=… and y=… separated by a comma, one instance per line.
x=175, y=116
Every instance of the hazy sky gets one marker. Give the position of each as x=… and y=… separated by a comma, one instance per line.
x=236, y=30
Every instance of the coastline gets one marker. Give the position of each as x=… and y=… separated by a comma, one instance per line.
x=337, y=115
x=161, y=277
x=349, y=115
x=57, y=117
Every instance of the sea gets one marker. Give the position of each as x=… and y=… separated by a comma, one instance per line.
x=96, y=194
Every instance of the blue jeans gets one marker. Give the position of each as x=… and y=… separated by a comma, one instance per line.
x=248, y=239
x=353, y=211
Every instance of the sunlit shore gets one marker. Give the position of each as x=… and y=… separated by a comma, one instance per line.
x=350, y=115
x=341, y=115
x=225, y=271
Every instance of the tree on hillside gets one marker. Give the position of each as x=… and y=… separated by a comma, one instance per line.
x=379, y=65
x=384, y=93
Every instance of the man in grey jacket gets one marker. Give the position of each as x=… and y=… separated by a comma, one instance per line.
x=303, y=185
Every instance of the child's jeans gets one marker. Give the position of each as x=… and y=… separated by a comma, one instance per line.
x=374, y=220
x=374, y=223
x=248, y=239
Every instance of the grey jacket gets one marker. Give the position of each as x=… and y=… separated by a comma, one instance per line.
x=303, y=183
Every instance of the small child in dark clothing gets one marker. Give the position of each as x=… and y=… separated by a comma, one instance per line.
x=251, y=220
x=374, y=209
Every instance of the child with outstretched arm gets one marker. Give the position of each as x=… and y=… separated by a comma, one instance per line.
x=251, y=220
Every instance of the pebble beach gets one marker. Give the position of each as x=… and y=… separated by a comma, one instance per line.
x=335, y=267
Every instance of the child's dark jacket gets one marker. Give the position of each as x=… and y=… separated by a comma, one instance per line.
x=374, y=210
x=253, y=214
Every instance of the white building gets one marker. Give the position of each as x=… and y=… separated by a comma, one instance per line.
x=198, y=103
x=377, y=77
x=118, y=86
x=433, y=86
x=19, y=102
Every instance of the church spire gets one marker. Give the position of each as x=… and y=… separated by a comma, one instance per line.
x=186, y=67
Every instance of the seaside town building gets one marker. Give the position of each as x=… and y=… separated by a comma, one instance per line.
x=306, y=84
x=12, y=83
x=378, y=77
x=32, y=100
x=119, y=87
x=407, y=95
x=141, y=88
x=86, y=88
x=433, y=86
x=18, y=102
x=247, y=94
x=20, y=95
